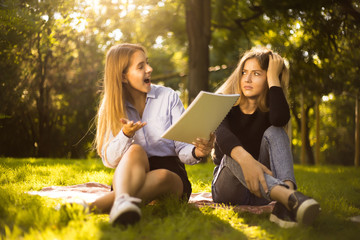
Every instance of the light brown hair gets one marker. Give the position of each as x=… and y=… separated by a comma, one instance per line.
x=232, y=84
x=112, y=104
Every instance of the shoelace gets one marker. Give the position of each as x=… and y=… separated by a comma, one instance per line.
x=126, y=197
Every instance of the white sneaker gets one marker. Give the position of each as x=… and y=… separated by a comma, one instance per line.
x=125, y=211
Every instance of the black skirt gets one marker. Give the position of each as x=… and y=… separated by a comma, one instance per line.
x=173, y=164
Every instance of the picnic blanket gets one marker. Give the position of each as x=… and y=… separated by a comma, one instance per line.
x=90, y=191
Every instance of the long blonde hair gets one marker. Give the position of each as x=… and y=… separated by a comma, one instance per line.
x=232, y=84
x=112, y=103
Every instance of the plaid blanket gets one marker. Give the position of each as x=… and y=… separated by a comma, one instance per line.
x=90, y=191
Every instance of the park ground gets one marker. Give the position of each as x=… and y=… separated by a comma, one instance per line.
x=24, y=216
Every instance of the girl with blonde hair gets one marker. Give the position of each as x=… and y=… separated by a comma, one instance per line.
x=132, y=116
x=252, y=154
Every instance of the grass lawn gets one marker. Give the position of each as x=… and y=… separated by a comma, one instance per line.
x=24, y=216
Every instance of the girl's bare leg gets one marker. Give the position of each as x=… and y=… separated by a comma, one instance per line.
x=290, y=184
x=132, y=176
x=160, y=182
x=103, y=204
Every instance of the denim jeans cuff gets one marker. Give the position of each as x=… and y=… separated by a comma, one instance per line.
x=279, y=183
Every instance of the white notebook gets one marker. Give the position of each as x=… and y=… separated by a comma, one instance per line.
x=202, y=117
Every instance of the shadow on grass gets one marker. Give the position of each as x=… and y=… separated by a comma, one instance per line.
x=326, y=226
x=336, y=189
x=21, y=213
x=174, y=220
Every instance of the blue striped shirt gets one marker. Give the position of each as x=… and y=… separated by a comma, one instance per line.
x=163, y=107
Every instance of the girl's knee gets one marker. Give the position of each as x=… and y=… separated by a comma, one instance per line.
x=228, y=189
x=135, y=155
x=169, y=180
x=273, y=132
x=136, y=149
x=165, y=176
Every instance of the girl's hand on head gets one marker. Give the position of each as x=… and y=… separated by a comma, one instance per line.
x=129, y=128
x=203, y=147
x=276, y=65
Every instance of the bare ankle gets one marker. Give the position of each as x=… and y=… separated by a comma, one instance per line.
x=281, y=194
x=290, y=184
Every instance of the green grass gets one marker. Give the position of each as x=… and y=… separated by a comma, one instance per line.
x=24, y=216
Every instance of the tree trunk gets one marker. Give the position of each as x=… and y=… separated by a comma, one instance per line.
x=306, y=156
x=199, y=35
x=317, y=146
x=303, y=132
x=309, y=152
x=357, y=131
x=43, y=103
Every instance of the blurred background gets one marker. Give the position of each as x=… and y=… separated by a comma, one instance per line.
x=52, y=56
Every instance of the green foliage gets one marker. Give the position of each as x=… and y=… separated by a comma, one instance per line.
x=50, y=72
x=320, y=41
x=337, y=130
x=235, y=26
x=315, y=38
x=24, y=216
x=52, y=58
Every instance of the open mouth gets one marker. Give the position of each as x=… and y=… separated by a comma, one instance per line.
x=147, y=80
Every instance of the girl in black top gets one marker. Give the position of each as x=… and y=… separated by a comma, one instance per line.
x=253, y=158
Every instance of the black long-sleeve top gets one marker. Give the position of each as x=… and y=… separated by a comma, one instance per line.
x=247, y=130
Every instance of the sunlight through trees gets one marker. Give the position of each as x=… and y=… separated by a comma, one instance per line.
x=52, y=57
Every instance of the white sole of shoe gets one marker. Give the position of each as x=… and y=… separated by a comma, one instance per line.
x=127, y=218
x=130, y=214
x=282, y=223
x=307, y=212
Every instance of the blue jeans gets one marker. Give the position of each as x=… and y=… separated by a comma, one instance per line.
x=229, y=186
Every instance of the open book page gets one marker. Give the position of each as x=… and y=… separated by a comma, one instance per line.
x=202, y=117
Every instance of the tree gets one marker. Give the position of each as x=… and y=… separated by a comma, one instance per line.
x=323, y=32
x=199, y=35
x=357, y=132
x=53, y=54
x=38, y=122
x=319, y=39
